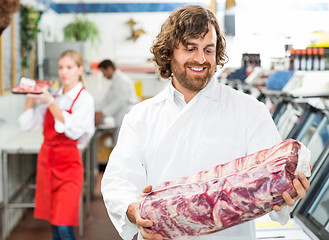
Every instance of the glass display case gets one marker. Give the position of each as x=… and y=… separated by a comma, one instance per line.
x=318, y=142
x=307, y=125
x=312, y=213
x=313, y=131
x=286, y=116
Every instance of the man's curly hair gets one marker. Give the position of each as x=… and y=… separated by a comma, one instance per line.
x=187, y=22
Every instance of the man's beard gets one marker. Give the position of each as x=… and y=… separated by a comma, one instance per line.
x=193, y=83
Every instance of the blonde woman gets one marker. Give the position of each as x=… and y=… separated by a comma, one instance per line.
x=67, y=118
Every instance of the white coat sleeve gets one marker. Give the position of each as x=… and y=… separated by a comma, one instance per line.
x=124, y=177
x=261, y=135
x=282, y=216
x=32, y=119
x=80, y=124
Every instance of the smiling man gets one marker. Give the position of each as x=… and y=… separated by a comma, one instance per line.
x=194, y=63
x=194, y=124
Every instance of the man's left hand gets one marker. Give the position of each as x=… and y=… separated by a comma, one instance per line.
x=301, y=185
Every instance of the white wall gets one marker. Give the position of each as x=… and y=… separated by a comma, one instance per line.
x=113, y=31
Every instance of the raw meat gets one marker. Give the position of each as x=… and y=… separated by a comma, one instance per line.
x=39, y=85
x=226, y=195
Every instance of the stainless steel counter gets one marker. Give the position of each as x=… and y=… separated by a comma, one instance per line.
x=30, y=143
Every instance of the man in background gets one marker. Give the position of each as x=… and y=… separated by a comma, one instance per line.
x=119, y=98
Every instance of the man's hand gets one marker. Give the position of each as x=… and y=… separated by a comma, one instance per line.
x=98, y=118
x=134, y=217
x=301, y=185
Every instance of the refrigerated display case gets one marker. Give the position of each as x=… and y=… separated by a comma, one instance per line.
x=318, y=142
x=313, y=131
x=309, y=122
x=286, y=116
x=312, y=213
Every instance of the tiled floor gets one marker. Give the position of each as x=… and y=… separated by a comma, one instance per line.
x=97, y=227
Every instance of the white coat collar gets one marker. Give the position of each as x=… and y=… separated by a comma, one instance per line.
x=174, y=91
x=73, y=92
x=210, y=91
x=116, y=75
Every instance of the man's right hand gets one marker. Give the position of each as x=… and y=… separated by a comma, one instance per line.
x=98, y=118
x=135, y=217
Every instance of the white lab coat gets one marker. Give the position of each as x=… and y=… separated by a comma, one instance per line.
x=78, y=125
x=158, y=142
x=119, y=98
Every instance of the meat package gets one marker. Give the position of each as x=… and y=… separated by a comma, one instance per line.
x=226, y=195
x=27, y=85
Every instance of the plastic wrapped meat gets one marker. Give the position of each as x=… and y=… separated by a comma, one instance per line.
x=226, y=195
x=31, y=86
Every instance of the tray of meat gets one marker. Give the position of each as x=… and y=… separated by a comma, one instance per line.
x=226, y=195
x=33, y=86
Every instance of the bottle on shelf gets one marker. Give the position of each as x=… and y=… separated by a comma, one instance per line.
x=297, y=60
x=310, y=59
x=287, y=57
x=292, y=59
x=303, y=60
x=316, y=63
x=322, y=59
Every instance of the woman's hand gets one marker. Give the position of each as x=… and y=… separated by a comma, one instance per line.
x=134, y=217
x=301, y=185
x=43, y=98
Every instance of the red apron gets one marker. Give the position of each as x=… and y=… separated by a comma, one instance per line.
x=59, y=176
